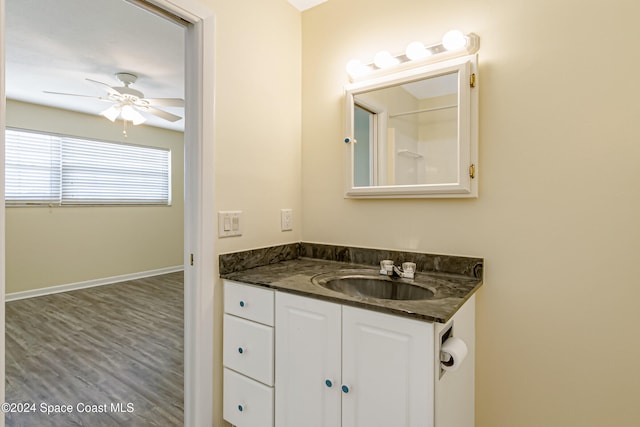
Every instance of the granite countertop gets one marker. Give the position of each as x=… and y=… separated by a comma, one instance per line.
x=295, y=276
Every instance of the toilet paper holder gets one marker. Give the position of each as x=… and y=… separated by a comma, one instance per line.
x=453, y=351
x=444, y=357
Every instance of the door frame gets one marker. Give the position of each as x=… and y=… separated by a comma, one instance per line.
x=3, y=108
x=199, y=232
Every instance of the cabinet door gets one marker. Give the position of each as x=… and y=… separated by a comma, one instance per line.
x=307, y=362
x=387, y=369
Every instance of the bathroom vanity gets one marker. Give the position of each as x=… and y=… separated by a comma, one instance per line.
x=299, y=352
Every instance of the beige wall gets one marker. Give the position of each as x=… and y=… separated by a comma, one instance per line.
x=257, y=131
x=557, y=218
x=63, y=245
x=257, y=138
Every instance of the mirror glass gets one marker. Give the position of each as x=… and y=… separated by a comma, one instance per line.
x=413, y=135
x=420, y=144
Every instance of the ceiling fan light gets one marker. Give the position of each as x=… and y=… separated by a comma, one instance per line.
x=139, y=120
x=111, y=113
x=130, y=113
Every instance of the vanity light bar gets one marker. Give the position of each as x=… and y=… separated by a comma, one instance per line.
x=454, y=43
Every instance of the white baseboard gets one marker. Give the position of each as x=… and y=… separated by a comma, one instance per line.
x=89, y=283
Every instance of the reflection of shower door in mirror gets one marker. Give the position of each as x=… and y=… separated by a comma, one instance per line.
x=408, y=134
x=426, y=142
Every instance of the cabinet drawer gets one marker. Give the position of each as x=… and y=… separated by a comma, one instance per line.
x=247, y=403
x=248, y=348
x=250, y=302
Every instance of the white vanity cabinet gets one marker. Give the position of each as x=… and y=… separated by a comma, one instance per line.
x=292, y=361
x=248, y=352
x=344, y=366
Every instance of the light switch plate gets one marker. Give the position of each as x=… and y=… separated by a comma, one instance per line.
x=229, y=223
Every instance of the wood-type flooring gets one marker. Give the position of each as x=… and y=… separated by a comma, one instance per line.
x=105, y=356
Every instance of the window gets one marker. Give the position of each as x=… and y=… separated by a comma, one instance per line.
x=45, y=169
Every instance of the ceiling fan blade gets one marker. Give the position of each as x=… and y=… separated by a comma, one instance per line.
x=162, y=114
x=165, y=102
x=110, y=89
x=75, y=94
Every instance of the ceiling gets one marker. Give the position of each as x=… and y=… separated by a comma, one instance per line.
x=305, y=4
x=55, y=45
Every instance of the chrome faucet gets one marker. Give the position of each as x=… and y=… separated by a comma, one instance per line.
x=388, y=268
x=406, y=273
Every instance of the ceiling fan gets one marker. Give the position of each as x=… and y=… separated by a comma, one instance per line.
x=127, y=102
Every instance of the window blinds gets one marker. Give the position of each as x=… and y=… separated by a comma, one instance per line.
x=61, y=170
x=32, y=168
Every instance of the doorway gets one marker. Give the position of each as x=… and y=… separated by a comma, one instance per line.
x=199, y=206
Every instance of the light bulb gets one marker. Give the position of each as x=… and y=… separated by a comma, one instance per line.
x=384, y=59
x=356, y=68
x=111, y=113
x=416, y=50
x=130, y=113
x=453, y=40
x=138, y=119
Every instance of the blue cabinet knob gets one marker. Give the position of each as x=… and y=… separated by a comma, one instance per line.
x=241, y=350
x=345, y=388
x=242, y=304
x=241, y=408
x=328, y=383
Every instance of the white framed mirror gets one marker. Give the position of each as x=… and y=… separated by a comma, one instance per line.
x=414, y=133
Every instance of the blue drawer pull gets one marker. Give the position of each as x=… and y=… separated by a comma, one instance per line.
x=240, y=408
x=345, y=388
x=328, y=383
x=242, y=304
x=241, y=350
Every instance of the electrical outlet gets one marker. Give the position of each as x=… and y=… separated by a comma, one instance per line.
x=286, y=219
